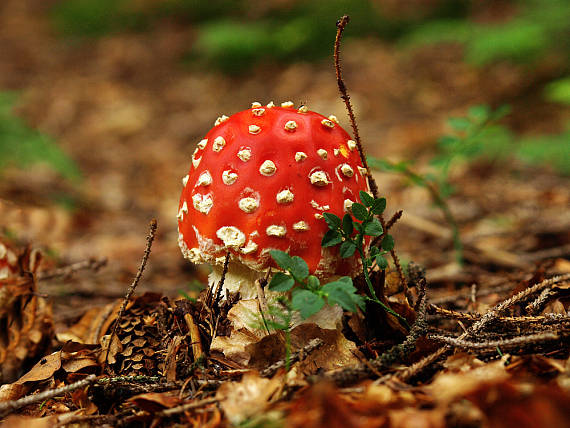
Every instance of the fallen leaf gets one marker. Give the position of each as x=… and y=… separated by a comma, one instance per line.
x=251, y=396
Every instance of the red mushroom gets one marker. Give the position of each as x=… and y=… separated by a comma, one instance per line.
x=260, y=180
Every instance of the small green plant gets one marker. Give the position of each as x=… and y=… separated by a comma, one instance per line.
x=308, y=297
x=350, y=234
x=22, y=146
x=476, y=135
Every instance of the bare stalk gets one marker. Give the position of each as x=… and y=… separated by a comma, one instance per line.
x=149, y=240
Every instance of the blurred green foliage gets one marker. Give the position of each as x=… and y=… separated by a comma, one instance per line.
x=558, y=91
x=537, y=27
x=233, y=35
x=22, y=146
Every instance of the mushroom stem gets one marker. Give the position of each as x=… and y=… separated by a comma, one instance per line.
x=239, y=278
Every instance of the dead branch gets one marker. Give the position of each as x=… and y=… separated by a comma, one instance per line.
x=8, y=407
x=185, y=407
x=530, y=339
x=491, y=315
x=295, y=356
x=149, y=240
x=66, y=271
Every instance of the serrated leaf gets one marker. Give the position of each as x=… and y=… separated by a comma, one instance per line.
x=379, y=205
x=382, y=262
x=388, y=243
x=343, y=293
x=459, y=123
x=332, y=220
x=359, y=211
x=282, y=259
x=347, y=249
x=347, y=224
x=374, y=251
x=313, y=282
x=281, y=282
x=299, y=268
x=374, y=228
x=306, y=302
x=331, y=238
x=365, y=198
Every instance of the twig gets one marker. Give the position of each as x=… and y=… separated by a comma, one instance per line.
x=8, y=407
x=66, y=271
x=397, y=215
x=467, y=316
x=295, y=356
x=502, y=343
x=491, y=315
x=352, y=374
x=220, y=285
x=537, y=304
x=185, y=407
x=340, y=25
x=196, y=342
x=131, y=290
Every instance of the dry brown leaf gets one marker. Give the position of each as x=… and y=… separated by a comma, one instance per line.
x=249, y=397
x=156, y=401
x=43, y=370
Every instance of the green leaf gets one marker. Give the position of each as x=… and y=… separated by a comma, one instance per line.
x=281, y=282
x=299, y=268
x=374, y=251
x=347, y=224
x=332, y=220
x=359, y=211
x=343, y=293
x=448, y=140
x=374, y=228
x=347, y=249
x=388, y=243
x=459, y=123
x=331, y=238
x=306, y=302
x=381, y=261
x=479, y=113
x=379, y=205
x=283, y=260
x=313, y=282
x=365, y=198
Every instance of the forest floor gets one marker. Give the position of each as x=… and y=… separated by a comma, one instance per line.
x=129, y=113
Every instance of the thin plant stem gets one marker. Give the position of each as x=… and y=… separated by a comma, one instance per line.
x=375, y=298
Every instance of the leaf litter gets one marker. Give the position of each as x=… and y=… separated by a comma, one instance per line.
x=493, y=352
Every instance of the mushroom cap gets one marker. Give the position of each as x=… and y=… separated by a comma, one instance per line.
x=260, y=180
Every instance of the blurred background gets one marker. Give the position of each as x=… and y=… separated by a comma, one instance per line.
x=103, y=101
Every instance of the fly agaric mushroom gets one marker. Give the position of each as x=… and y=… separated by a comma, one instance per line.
x=261, y=180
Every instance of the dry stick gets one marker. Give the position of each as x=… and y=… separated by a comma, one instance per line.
x=358, y=372
x=222, y=279
x=307, y=349
x=480, y=324
x=471, y=317
x=340, y=25
x=185, y=407
x=501, y=343
x=8, y=407
x=149, y=239
x=65, y=271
